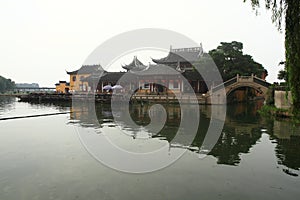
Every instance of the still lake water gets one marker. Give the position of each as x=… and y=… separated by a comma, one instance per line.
x=44, y=158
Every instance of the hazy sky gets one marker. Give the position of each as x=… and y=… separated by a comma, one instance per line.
x=40, y=39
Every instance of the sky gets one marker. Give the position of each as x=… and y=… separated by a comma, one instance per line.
x=41, y=39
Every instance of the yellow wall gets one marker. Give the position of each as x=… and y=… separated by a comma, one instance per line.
x=61, y=88
x=75, y=85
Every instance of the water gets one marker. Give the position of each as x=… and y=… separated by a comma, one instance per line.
x=44, y=158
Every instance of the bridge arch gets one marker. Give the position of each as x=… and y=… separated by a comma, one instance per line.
x=252, y=86
x=237, y=82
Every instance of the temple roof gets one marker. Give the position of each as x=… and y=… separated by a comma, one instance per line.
x=135, y=65
x=106, y=76
x=87, y=69
x=181, y=55
x=192, y=75
x=112, y=76
x=158, y=69
x=63, y=82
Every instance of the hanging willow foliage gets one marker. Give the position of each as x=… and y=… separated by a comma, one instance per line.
x=290, y=11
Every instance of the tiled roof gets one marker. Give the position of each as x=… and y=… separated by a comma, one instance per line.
x=63, y=82
x=158, y=69
x=87, y=69
x=106, y=76
x=112, y=76
x=181, y=55
x=135, y=65
x=192, y=75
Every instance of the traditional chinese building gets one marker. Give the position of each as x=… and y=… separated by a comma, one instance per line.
x=62, y=87
x=77, y=77
x=160, y=78
x=184, y=61
x=152, y=79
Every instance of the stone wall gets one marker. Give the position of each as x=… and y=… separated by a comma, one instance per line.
x=282, y=100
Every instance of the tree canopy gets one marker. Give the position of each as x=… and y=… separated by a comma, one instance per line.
x=289, y=10
x=6, y=84
x=231, y=60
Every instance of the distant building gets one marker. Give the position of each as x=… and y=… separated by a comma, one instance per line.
x=62, y=87
x=27, y=85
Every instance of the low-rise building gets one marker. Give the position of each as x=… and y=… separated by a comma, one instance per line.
x=76, y=77
x=62, y=87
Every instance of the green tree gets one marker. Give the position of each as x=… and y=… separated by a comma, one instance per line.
x=289, y=10
x=282, y=75
x=6, y=84
x=231, y=61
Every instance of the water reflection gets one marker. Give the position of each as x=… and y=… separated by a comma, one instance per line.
x=6, y=104
x=287, y=137
x=242, y=130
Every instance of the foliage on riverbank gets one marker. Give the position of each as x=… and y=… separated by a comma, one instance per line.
x=6, y=84
x=288, y=11
x=270, y=111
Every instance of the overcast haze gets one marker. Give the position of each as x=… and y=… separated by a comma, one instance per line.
x=42, y=39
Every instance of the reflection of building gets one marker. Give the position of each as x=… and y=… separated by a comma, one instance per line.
x=285, y=130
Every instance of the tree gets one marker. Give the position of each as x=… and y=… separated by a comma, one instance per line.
x=289, y=10
x=231, y=61
x=282, y=74
x=6, y=84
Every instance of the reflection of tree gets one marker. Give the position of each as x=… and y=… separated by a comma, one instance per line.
x=241, y=131
x=287, y=138
x=230, y=145
x=202, y=130
x=287, y=151
x=6, y=103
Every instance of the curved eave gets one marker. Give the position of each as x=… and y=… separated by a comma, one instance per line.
x=127, y=68
x=73, y=72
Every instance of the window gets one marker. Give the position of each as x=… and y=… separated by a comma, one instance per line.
x=175, y=85
x=74, y=78
x=146, y=86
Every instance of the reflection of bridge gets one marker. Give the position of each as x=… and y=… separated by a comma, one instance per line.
x=218, y=94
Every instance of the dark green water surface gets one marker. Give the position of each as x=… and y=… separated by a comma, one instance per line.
x=44, y=158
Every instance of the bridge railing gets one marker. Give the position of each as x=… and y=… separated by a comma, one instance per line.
x=244, y=78
x=241, y=79
x=261, y=82
x=229, y=82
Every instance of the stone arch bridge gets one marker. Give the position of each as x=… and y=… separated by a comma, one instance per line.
x=218, y=94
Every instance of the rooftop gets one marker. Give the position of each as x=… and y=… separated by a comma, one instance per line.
x=87, y=69
x=135, y=65
x=191, y=54
x=158, y=69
